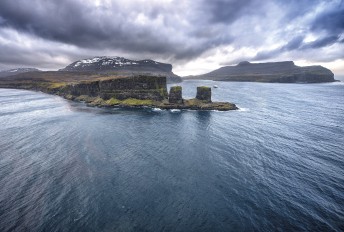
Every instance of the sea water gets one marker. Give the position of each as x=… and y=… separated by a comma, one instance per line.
x=275, y=164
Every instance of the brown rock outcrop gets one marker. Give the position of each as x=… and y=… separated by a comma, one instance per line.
x=204, y=93
x=175, y=95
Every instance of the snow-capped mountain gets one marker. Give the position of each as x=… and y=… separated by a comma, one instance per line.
x=122, y=65
x=12, y=72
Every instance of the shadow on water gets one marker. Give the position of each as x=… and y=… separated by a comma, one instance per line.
x=83, y=108
x=203, y=118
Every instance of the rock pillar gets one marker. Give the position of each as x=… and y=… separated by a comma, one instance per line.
x=175, y=95
x=204, y=93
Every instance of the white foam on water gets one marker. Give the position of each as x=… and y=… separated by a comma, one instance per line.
x=243, y=109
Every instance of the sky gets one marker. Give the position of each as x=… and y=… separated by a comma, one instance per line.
x=195, y=36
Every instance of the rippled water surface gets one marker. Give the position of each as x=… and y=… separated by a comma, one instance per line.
x=276, y=164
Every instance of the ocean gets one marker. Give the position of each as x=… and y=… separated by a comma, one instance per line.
x=277, y=164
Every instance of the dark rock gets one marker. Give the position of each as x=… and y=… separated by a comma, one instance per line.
x=175, y=95
x=204, y=93
x=195, y=104
x=137, y=87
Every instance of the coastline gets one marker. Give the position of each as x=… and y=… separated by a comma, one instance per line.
x=128, y=92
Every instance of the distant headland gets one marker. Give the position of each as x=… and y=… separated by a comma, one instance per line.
x=272, y=72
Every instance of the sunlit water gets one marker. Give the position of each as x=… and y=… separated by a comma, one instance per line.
x=276, y=164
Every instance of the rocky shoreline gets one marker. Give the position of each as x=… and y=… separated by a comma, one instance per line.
x=197, y=103
x=126, y=92
x=188, y=104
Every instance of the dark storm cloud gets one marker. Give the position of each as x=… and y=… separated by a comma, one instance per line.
x=298, y=44
x=323, y=42
x=45, y=56
x=176, y=31
x=2, y=21
x=113, y=27
x=297, y=8
x=293, y=44
x=331, y=21
x=228, y=11
x=72, y=22
x=264, y=55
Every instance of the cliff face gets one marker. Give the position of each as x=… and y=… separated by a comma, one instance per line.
x=203, y=93
x=123, y=66
x=175, y=95
x=138, y=87
x=280, y=72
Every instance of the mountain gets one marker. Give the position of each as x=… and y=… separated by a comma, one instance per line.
x=12, y=72
x=122, y=66
x=279, y=72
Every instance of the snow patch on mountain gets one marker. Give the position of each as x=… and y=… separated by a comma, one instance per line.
x=118, y=61
x=105, y=64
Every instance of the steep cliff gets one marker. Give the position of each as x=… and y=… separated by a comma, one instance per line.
x=280, y=72
x=203, y=93
x=137, y=87
x=175, y=95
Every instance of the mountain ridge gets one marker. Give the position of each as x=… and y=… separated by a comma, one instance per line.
x=15, y=71
x=123, y=66
x=276, y=72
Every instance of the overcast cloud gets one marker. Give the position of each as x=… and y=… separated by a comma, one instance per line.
x=195, y=36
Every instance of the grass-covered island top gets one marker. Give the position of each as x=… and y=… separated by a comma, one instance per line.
x=130, y=91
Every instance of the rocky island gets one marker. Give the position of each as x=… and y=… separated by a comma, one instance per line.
x=272, y=72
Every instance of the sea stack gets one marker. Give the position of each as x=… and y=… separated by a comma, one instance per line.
x=204, y=93
x=175, y=95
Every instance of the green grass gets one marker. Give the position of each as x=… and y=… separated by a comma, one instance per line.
x=137, y=102
x=176, y=88
x=127, y=102
x=98, y=101
x=56, y=85
x=203, y=87
x=195, y=102
x=112, y=102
